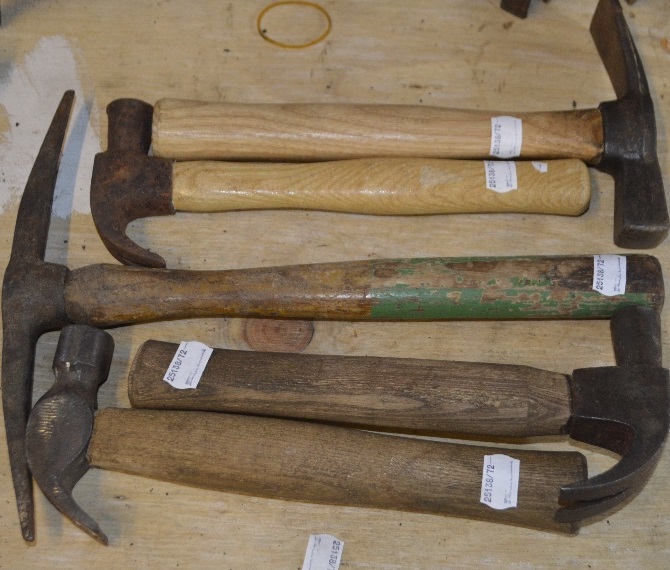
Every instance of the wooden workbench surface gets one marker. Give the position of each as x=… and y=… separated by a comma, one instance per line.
x=429, y=52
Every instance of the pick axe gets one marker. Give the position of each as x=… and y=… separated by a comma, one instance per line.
x=280, y=459
x=38, y=296
x=623, y=408
x=619, y=137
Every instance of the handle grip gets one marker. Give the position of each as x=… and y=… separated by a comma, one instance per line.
x=296, y=461
x=379, y=186
x=194, y=130
x=557, y=287
x=393, y=393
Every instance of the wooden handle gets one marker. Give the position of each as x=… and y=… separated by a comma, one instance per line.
x=194, y=130
x=558, y=287
x=296, y=461
x=396, y=393
x=379, y=186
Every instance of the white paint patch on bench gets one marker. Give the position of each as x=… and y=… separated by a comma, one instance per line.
x=29, y=95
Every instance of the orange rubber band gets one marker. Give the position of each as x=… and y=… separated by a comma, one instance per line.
x=269, y=7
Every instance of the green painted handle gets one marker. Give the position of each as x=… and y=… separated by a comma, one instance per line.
x=559, y=287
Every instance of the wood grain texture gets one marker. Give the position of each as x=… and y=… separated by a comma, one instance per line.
x=556, y=287
x=277, y=335
x=195, y=130
x=297, y=461
x=439, y=397
x=379, y=186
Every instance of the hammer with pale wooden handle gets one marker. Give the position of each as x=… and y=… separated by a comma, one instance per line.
x=619, y=137
x=274, y=458
x=128, y=184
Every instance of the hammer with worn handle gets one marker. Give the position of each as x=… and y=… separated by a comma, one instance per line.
x=619, y=137
x=266, y=457
x=623, y=408
x=38, y=296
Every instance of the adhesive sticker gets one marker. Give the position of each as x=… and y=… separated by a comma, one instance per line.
x=500, y=175
x=324, y=552
x=609, y=274
x=506, y=135
x=187, y=366
x=540, y=166
x=500, y=482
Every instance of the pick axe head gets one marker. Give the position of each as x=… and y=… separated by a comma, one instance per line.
x=32, y=303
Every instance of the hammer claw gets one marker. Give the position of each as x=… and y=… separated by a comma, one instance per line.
x=61, y=497
x=583, y=510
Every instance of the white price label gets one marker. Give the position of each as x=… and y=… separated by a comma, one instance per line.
x=540, y=166
x=500, y=175
x=506, y=136
x=324, y=552
x=609, y=274
x=188, y=364
x=500, y=482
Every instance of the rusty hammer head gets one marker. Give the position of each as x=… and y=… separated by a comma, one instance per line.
x=60, y=425
x=623, y=408
x=27, y=312
x=127, y=184
x=629, y=135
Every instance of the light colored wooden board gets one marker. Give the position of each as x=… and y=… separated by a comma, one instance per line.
x=451, y=53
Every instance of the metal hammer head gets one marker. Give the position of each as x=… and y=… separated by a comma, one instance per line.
x=629, y=134
x=623, y=408
x=126, y=184
x=32, y=303
x=61, y=424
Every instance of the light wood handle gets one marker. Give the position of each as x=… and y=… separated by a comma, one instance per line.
x=558, y=287
x=379, y=186
x=194, y=130
x=296, y=461
x=396, y=393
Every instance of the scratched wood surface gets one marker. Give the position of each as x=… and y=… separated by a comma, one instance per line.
x=429, y=52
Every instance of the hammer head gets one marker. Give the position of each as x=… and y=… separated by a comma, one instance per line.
x=629, y=130
x=625, y=409
x=32, y=303
x=127, y=184
x=61, y=424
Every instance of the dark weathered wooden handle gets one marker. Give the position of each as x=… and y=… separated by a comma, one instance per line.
x=397, y=289
x=395, y=393
x=297, y=461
